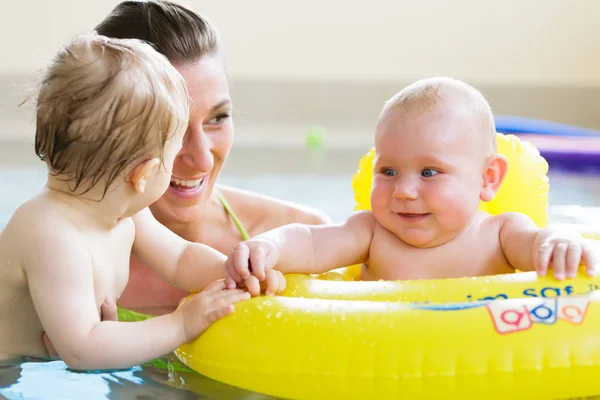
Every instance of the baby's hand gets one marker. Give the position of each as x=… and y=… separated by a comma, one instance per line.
x=204, y=308
x=251, y=263
x=564, y=253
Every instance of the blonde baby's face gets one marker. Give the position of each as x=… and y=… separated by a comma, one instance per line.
x=427, y=176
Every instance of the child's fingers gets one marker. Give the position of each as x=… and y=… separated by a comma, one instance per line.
x=230, y=283
x=543, y=258
x=215, y=286
x=240, y=260
x=229, y=297
x=573, y=259
x=558, y=260
x=108, y=310
x=271, y=257
x=231, y=271
x=226, y=292
x=282, y=282
x=590, y=259
x=49, y=346
x=218, y=313
x=253, y=285
x=257, y=260
x=272, y=282
x=222, y=304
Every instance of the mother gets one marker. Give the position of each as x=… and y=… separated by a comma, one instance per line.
x=195, y=207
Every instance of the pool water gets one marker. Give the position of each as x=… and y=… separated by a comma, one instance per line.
x=54, y=380
x=314, y=181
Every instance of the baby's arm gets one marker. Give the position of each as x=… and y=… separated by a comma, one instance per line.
x=528, y=248
x=303, y=249
x=61, y=282
x=186, y=265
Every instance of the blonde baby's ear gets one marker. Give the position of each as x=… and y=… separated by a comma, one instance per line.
x=494, y=172
x=140, y=174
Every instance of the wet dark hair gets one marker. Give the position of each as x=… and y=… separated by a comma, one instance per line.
x=180, y=34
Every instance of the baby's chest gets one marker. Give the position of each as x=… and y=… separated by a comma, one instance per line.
x=110, y=260
x=394, y=260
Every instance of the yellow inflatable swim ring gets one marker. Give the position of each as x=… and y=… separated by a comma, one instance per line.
x=330, y=337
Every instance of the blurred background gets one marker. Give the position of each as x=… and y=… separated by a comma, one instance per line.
x=308, y=80
x=323, y=68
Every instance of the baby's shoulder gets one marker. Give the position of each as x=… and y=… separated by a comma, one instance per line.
x=509, y=218
x=498, y=220
x=37, y=221
x=506, y=224
x=363, y=217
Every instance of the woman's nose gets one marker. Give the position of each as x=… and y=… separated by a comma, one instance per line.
x=196, y=150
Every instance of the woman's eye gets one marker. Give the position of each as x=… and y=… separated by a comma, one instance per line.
x=389, y=172
x=219, y=119
x=428, y=173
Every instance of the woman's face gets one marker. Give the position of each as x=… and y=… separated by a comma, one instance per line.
x=207, y=142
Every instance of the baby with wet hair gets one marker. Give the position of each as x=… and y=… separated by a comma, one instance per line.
x=435, y=161
x=111, y=117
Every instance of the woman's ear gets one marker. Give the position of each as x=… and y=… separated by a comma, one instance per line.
x=494, y=173
x=139, y=175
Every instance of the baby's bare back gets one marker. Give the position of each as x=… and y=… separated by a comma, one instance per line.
x=20, y=327
x=476, y=252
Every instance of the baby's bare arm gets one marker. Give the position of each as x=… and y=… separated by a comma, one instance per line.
x=528, y=248
x=345, y=244
x=321, y=248
x=186, y=265
x=61, y=283
x=518, y=234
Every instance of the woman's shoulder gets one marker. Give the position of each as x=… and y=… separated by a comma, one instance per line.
x=268, y=211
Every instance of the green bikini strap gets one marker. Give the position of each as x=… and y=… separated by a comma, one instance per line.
x=236, y=221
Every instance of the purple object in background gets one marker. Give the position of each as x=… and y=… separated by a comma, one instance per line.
x=565, y=147
x=513, y=124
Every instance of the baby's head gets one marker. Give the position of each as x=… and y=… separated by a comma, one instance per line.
x=110, y=111
x=435, y=160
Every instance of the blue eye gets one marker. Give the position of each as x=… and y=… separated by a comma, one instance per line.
x=428, y=173
x=389, y=172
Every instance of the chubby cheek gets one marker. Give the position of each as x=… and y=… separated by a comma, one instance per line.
x=381, y=194
x=453, y=205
